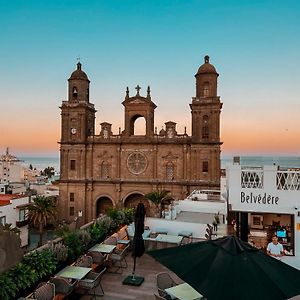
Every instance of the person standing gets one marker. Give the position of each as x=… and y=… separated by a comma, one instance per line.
x=274, y=248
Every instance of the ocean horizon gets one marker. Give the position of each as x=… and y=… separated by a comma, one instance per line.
x=41, y=163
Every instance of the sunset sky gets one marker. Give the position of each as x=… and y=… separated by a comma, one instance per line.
x=254, y=45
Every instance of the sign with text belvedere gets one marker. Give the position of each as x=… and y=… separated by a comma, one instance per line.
x=262, y=198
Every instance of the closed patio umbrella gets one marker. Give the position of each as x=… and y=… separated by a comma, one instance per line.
x=138, y=247
x=227, y=268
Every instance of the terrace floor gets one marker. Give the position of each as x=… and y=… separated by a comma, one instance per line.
x=146, y=267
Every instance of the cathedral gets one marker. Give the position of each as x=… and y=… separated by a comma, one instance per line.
x=101, y=169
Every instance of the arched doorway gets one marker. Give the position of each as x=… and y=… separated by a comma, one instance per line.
x=132, y=201
x=103, y=204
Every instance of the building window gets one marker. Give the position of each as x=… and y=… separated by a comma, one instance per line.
x=205, y=128
x=22, y=215
x=170, y=171
x=288, y=180
x=205, y=167
x=3, y=220
x=206, y=89
x=73, y=164
x=72, y=197
x=104, y=170
x=72, y=211
x=75, y=92
x=252, y=179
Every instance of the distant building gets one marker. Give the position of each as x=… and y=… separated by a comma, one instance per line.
x=11, y=169
x=13, y=209
x=101, y=169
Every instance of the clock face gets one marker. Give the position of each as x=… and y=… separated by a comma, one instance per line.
x=73, y=130
x=137, y=163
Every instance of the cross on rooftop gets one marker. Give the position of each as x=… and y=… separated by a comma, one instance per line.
x=138, y=90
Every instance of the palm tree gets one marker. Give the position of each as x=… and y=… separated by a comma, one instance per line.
x=159, y=198
x=41, y=210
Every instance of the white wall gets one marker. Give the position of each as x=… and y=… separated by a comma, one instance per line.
x=174, y=227
x=202, y=206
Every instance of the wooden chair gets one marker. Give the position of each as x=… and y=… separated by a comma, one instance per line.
x=63, y=286
x=164, y=281
x=91, y=281
x=44, y=291
x=111, y=240
x=97, y=257
x=84, y=261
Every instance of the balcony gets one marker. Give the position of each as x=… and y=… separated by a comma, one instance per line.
x=22, y=223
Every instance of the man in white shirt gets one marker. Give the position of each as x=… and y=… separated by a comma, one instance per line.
x=274, y=248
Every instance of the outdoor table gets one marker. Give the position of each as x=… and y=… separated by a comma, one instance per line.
x=73, y=272
x=103, y=248
x=168, y=238
x=124, y=242
x=183, y=292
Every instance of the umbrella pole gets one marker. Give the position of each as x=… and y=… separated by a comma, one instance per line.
x=133, y=271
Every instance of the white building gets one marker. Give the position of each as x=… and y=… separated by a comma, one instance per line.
x=13, y=211
x=266, y=201
x=11, y=169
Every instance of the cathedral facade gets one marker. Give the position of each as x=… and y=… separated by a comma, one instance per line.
x=100, y=169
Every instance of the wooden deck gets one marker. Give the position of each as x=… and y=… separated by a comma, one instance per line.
x=146, y=267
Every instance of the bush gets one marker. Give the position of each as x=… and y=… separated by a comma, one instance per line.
x=73, y=242
x=26, y=274
x=97, y=232
x=60, y=251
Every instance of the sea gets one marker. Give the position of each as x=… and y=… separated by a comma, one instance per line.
x=41, y=163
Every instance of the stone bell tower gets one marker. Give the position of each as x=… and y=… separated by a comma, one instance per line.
x=77, y=126
x=206, y=106
x=206, y=109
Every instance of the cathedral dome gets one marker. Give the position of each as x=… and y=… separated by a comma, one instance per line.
x=79, y=74
x=207, y=68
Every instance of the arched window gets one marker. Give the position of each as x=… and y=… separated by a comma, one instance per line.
x=138, y=125
x=88, y=94
x=206, y=89
x=170, y=171
x=205, y=127
x=104, y=170
x=75, y=92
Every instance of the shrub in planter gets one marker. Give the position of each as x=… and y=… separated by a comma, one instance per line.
x=60, y=251
x=8, y=286
x=97, y=232
x=129, y=215
x=26, y=274
x=42, y=263
x=84, y=236
x=73, y=242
